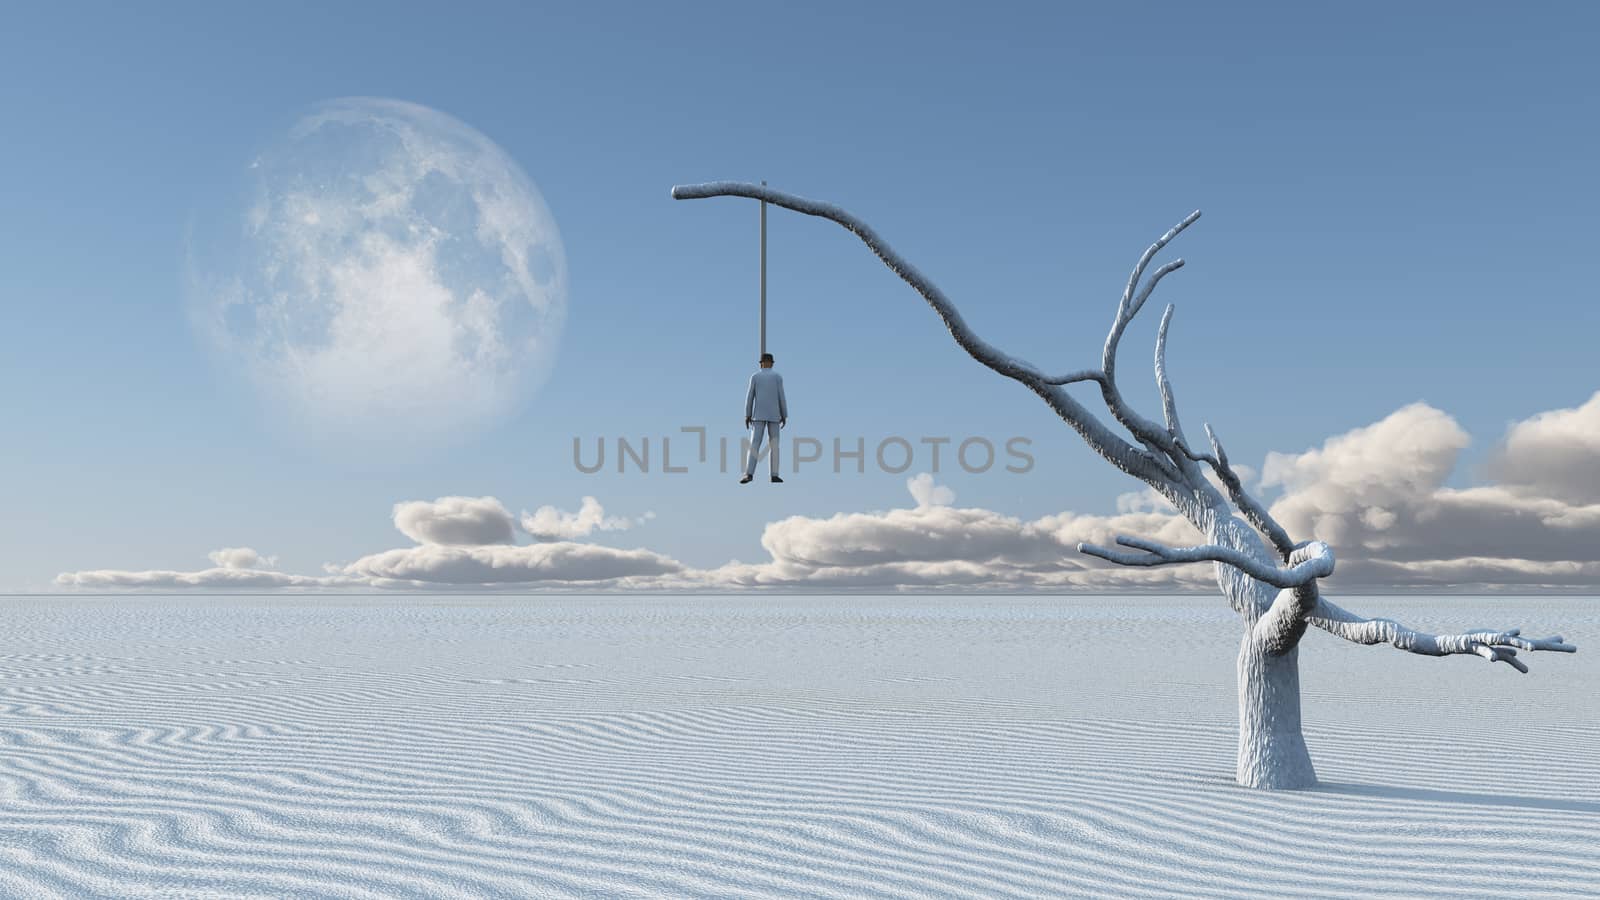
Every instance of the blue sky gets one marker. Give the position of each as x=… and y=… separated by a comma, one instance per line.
x=1398, y=208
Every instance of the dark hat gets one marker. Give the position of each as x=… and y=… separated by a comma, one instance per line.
x=766, y=357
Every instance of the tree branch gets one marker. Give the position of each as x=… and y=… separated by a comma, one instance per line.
x=1073, y=377
x=1317, y=559
x=1133, y=299
x=1284, y=622
x=1144, y=465
x=1253, y=511
x=1169, y=406
x=1495, y=646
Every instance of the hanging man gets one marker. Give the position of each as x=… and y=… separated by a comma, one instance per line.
x=765, y=411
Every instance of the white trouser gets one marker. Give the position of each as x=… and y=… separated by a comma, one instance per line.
x=759, y=429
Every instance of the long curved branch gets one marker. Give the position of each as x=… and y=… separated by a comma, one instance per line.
x=1317, y=559
x=1141, y=464
x=1495, y=646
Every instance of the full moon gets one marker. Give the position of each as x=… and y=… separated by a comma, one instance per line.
x=380, y=273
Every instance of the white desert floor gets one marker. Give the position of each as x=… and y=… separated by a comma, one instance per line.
x=772, y=746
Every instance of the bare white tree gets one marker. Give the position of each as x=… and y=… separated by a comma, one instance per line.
x=1270, y=580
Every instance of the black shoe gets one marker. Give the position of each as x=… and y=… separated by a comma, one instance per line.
x=777, y=480
x=745, y=480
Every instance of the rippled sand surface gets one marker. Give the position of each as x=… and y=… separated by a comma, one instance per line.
x=758, y=746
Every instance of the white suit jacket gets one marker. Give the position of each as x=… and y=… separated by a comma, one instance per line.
x=764, y=402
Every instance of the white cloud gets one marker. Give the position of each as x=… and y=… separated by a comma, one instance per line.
x=548, y=523
x=216, y=579
x=463, y=543
x=939, y=546
x=1554, y=454
x=237, y=568
x=560, y=564
x=466, y=521
x=1144, y=500
x=926, y=493
x=1377, y=493
x=242, y=558
x=1332, y=491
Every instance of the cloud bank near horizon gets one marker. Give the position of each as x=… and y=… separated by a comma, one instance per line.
x=1376, y=493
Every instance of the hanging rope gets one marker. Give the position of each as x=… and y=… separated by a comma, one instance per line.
x=763, y=276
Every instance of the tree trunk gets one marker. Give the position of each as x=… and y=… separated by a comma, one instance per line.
x=1272, y=751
